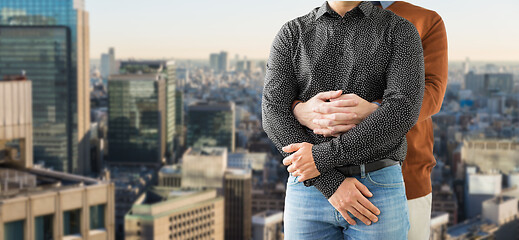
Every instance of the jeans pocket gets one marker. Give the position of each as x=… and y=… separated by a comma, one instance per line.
x=292, y=180
x=387, y=177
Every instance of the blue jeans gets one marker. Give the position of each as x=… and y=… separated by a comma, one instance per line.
x=309, y=215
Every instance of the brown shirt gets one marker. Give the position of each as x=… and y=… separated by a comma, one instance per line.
x=419, y=161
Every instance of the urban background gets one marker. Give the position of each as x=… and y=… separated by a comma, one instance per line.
x=142, y=120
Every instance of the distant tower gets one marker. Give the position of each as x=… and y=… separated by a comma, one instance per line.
x=466, y=66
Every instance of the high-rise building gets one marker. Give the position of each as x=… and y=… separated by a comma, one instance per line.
x=108, y=63
x=213, y=61
x=238, y=204
x=204, y=167
x=488, y=83
x=172, y=213
x=223, y=62
x=219, y=62
x=16, y=121
x=171, y=102
x=444, y=200
x=267, y=225
x=211, y=124
x=491, y=154
x=36, y=203
x=481, y=187
x=49, y=41
x=137, y=119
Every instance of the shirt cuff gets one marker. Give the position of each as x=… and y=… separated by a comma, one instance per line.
x=323, y=157
x=329, y=182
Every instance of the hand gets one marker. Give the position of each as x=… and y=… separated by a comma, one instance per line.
x=303, y=111
x=301, y=161
x=342, y=114
x=351, y=197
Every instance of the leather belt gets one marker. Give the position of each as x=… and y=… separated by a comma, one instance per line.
x=354, y=170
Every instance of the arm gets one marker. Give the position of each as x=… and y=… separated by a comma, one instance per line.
x=434, y=44
x=279, y=91
x=396, y=115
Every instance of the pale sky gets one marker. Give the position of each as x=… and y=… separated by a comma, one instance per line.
x=480, y=30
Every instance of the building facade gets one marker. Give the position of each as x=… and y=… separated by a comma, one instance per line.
x=204, y=167
x=171, y=213
x=238, y=204
x=136, y=119
x=49, y=41
x=211, y=124
x=16, y=122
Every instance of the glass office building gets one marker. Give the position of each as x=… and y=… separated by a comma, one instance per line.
x=211, y=124
x=136, y=119
x=48, y=40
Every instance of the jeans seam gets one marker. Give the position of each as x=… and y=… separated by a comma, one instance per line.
x=391, y=185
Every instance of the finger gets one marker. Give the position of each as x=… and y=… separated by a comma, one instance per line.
x=326, y=108
x=323, y=131
x=328, y=95
x=344, y=103
x=365, y=212
x=296, y=173
x=343, y=117
x=344, y=97
x=347, y=217
x=291, y=168
x=340, y=129
x=292, y=147
x=302, y=177
x=288, y=160
x=327, y=123
x=368, y=205
x=359, y=215
x=363, y=189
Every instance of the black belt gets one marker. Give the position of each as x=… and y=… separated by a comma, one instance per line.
x=353, y=170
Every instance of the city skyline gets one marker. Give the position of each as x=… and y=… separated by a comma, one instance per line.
x=184, y=30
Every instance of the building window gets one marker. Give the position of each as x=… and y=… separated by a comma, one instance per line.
x=43, y=227
x=71, y=222
x=14, y=230
x=97, y=216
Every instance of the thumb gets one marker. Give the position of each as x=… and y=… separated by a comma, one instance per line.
x=292, y=147
x=328, y=95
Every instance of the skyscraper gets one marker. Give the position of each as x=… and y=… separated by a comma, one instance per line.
x=223, y=62
x=211, y=124
x=136, y=119
x=171, y=102
x=238, y=203
x=108, y=64
x=49, y=41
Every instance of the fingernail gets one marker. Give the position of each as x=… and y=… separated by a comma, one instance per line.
x=369, y=223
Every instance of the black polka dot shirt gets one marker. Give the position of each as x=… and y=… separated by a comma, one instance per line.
x=370, y=52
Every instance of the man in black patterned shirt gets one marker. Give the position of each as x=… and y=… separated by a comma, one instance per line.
x=361, y=49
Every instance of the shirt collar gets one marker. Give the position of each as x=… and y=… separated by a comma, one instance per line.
x=386, y=4
x=365, y=7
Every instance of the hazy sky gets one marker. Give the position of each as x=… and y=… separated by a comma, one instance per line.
x=480, y=30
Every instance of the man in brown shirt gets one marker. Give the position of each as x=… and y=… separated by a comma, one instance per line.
x=343, y=112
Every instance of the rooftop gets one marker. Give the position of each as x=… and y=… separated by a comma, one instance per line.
x=15, y=182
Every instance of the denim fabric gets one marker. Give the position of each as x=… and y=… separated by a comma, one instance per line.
x=309, y=215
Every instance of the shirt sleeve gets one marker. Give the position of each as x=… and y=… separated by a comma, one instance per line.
x=385, y=129
x=279, y=91
x=435, y=53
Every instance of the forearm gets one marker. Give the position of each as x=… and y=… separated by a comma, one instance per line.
x=382, y=132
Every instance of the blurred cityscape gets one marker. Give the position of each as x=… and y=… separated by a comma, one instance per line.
x=99, y=147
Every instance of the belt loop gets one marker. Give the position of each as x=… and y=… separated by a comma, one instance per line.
x=362, y=171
